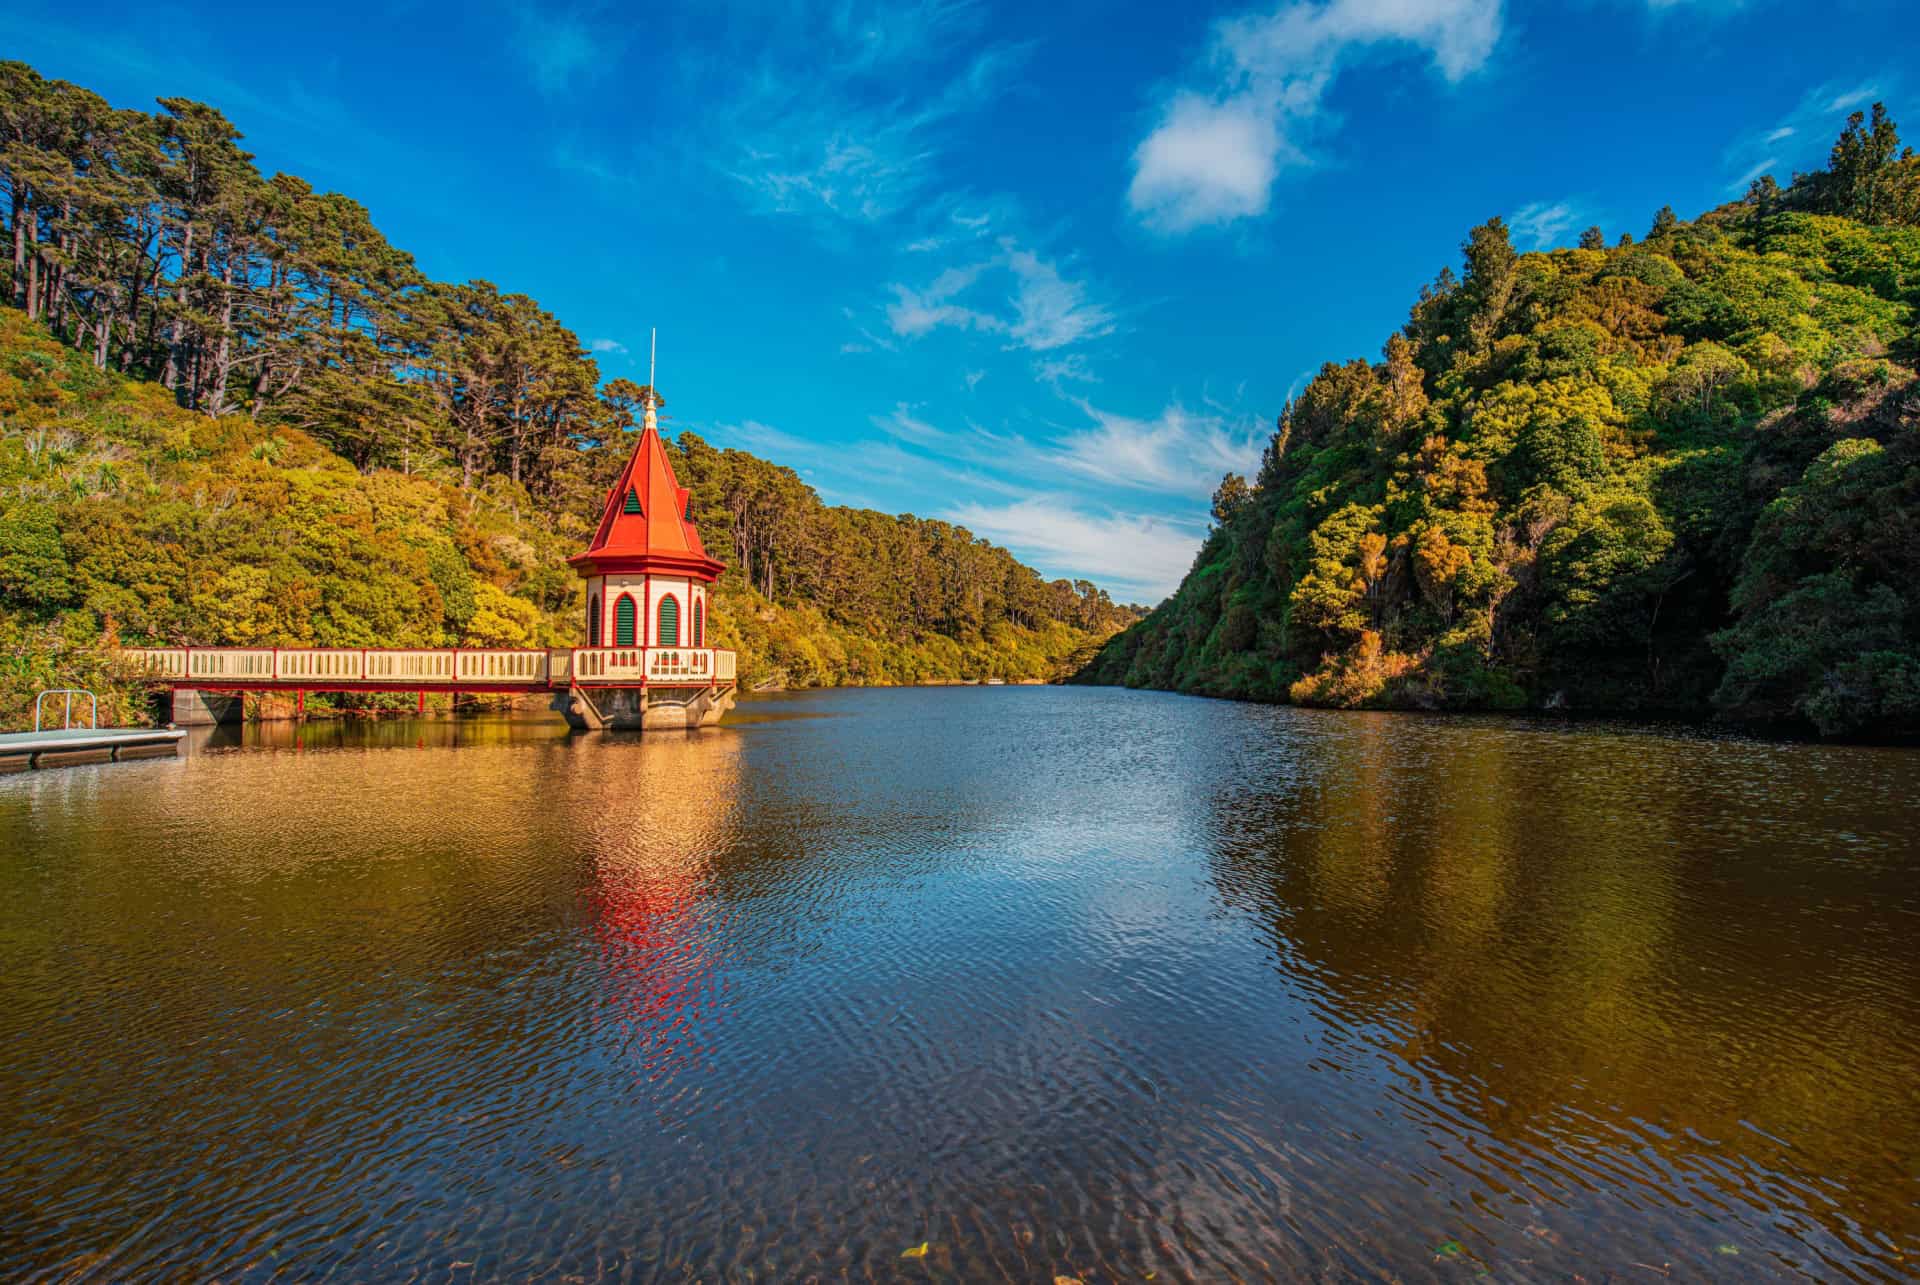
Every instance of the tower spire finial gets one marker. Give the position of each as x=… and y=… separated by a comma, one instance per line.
x=648, y=420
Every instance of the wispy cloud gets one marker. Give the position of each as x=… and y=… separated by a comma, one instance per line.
x=1852, y=98
x=1543, y=223
x=1222, y=140
x=765, y=439
x=1034, y=305
x=915, y=312
x=1050, y=311
x=1137, y=557
x=608, y=345
x=1800, y=138
x=1176, y=451
x=1067, y=368
x=853, y=132
x=1095, y=514
x=1754, y=171
x=561, y=47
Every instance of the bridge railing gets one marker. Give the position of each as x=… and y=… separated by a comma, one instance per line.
x=317, y=662
x=230, y=663
x=420, y=665
x=157, y=662
x=465, y=668
x=501, y=667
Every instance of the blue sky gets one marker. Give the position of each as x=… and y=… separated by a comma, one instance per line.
x=1045, y=270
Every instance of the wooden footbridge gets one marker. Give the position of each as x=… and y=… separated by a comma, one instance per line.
x=647, y=584
x=691, y=679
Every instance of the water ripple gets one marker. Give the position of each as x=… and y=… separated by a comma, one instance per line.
x=1055, y=982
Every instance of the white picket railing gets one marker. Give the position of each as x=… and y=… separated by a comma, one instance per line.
x=428, y=667
x=387, y=666
x=609, y=664
x=501, y=667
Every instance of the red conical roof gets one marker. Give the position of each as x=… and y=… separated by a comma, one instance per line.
x=659, y=536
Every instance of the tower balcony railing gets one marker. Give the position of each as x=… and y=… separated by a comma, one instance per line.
x=668, y=666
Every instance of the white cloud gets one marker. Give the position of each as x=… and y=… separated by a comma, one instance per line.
x=915, y=312
x=1137, y=557
x=902, y=423
x=1068, y=368
x=1542, y=223
x=852, y=131
x=1799, y=139
x=1219, y=145
x=1049, y=310
x=1209, y=162
x=608, y=345
x=1853, y=98
x=559, y=47
x=1042, y=309
x=1754, y=171
x=1176, y=451
x=763, y=439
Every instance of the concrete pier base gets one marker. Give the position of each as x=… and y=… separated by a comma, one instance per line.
x=653, y=709
x=189, y=707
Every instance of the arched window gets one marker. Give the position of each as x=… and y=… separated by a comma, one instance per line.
x=593, y=620
x=699, y=622
x=633, y=502
x=623, y=621
x=669, y=635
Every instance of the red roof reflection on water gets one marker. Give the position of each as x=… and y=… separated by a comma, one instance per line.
x=655, y=933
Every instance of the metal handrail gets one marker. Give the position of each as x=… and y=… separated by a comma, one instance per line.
x=66, y=723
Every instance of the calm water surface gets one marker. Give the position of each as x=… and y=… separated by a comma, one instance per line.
x=1056, y=981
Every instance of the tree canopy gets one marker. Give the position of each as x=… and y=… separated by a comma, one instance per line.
x=1678, y=475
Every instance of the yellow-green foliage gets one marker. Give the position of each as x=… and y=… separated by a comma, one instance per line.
x=1602, y=479
x=124, y=517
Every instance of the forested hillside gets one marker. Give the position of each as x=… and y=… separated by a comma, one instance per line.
x=1677, y=475
x=234, y=414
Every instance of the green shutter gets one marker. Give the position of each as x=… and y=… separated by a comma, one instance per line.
x=633, y=501
x=669, y=622
x=593, y=621
x=623, y=622
x=699, y=624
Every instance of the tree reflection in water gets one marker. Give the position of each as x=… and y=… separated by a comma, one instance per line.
x=1587, y=980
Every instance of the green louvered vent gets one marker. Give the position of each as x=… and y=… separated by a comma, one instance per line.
x=593, y=621
x=623, y=622
x=669, y=622
x=633, y=502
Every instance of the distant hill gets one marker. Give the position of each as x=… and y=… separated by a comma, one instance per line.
x=1677, y=475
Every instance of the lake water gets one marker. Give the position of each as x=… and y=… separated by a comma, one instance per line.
x=1071, y=982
